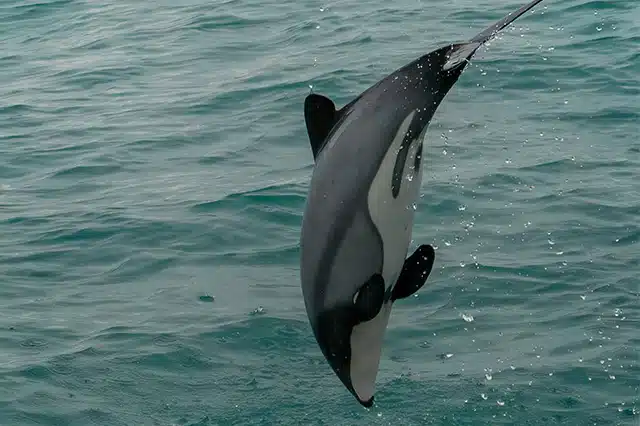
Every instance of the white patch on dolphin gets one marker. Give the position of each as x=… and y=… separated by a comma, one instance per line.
x=393, y=217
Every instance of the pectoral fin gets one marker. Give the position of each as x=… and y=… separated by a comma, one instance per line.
x=369, y=298
x=415, y=272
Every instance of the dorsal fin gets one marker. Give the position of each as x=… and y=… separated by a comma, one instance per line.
x=320, y=116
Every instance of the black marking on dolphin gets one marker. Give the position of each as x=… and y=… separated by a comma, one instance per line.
x=357, y=223
x=414, y=132
x=396, y=180
x=414, y=273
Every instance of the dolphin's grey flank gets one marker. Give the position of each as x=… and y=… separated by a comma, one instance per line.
x=358, y=217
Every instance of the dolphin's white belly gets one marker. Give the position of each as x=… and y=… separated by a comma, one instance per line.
x=394, y=216
x=394, y=219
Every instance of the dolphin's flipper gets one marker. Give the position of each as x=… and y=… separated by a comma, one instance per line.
x=369, y=298
x=320, y=116
x=415, y=272
x=463, y=52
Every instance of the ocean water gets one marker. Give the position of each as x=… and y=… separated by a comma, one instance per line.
x=153, y=171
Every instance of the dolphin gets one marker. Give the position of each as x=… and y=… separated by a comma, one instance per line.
x=359, y=211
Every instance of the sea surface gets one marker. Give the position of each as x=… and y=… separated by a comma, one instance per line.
x=154, y=165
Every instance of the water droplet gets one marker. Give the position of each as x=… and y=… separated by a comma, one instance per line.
x=488, y=376
x=467, y=318
x=598, y=29
x=449, y=355
x=462, y=264
x=500, y=403
x=612, y=377
x=583, y=297
x=462, y=208
x=483, y=396
x=207, y=298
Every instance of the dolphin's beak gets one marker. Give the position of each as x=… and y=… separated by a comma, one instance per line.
x=368, y=403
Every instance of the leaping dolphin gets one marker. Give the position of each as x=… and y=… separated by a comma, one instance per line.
x=358, y=217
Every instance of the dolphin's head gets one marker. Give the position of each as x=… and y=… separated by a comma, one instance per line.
x=345, y=298
x=350, y=336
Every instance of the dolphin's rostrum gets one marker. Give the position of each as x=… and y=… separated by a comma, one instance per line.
x=359, y=213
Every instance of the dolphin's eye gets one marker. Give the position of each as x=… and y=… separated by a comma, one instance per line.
x=368, y=300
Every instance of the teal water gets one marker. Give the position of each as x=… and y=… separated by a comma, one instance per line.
x=153, y=172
